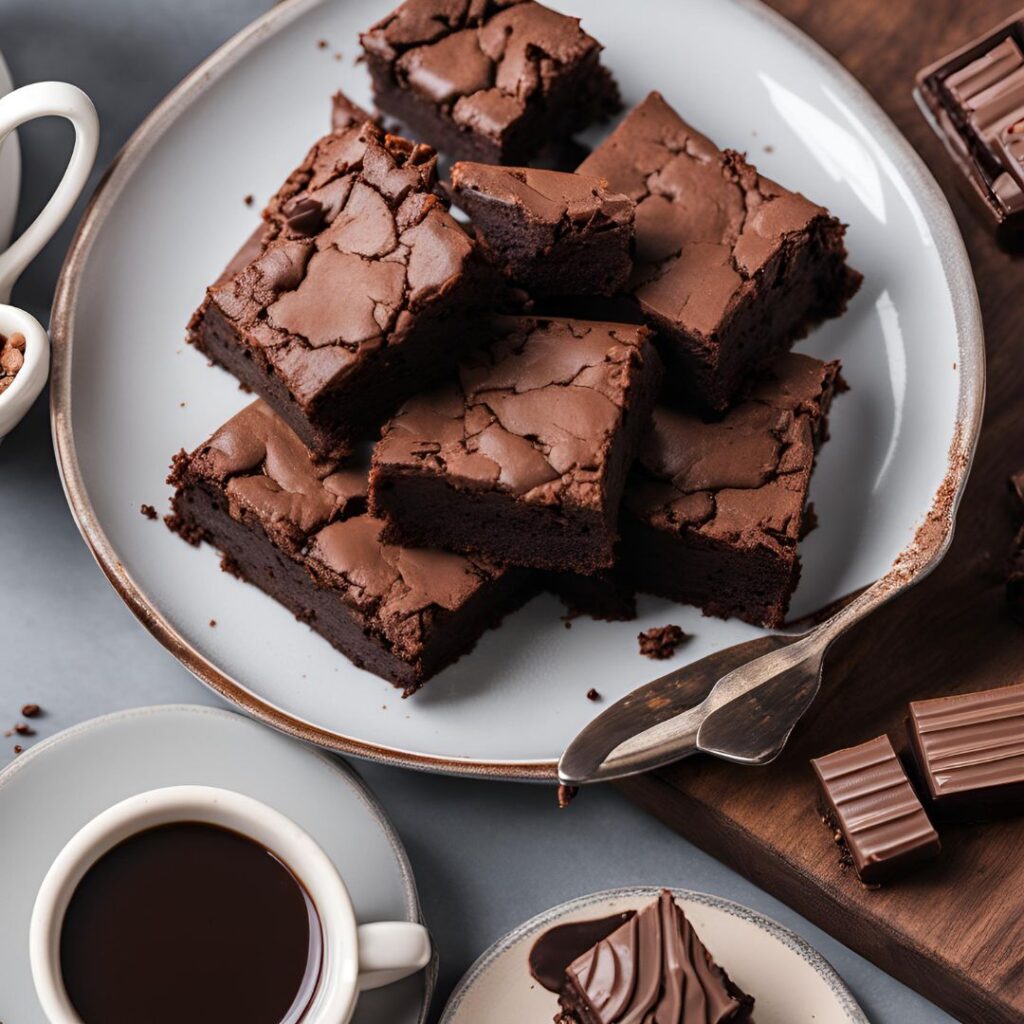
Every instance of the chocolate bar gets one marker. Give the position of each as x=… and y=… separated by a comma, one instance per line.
x=974, y=99
x=870, y=801
x=969, y=752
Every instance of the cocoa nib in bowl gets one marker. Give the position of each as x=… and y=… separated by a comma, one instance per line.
x=12, y=358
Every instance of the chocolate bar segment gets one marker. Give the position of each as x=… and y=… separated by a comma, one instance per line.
x=974, y=99
x=870, y=800
x=969, y=752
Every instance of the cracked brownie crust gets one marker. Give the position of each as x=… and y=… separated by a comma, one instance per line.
x=524, y=456
x=551, y=232
x=487, y=80
x=731, y=267
x=296, y=526
x=712, y=512
x=359, y=296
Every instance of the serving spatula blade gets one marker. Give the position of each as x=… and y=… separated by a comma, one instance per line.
x=658, y=722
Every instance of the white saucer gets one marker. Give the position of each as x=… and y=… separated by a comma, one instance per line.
x=50, y=791
x=791, y=982
x=10, y=168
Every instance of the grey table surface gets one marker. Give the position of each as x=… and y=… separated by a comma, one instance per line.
x=486, y=855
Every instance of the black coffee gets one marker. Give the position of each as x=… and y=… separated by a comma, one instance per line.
x=190, y=922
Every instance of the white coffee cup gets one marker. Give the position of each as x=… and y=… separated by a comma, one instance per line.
x=43, y=99
x=355, y=957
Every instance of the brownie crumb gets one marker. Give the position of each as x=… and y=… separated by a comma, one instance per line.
x=12, y=359
x=18, y=748
x=148, y=511
x=809, y=523
x=213, y=623
x=31, y=711
x=24, y=729
x=322, y=44
x=592, y=694
x=566, y=795
x=249, y=199
x=660, y=642
x=568, y=623
x=231, y=567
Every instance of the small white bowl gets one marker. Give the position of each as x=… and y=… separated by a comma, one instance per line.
x=29, y=381
x=43, y=99
x=355, y=957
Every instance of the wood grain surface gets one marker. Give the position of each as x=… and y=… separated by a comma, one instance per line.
x=954, y=931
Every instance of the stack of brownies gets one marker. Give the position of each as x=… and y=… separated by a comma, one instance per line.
x=589, y=389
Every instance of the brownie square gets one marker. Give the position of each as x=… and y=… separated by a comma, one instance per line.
x=360, y=293
x=713, y=511
x=731, y=268
x=487, y=80
x=550, y=232
x=652, y=968
x=522, y=458
x=295, y=525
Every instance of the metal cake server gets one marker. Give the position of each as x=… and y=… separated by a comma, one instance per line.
x=740, y=704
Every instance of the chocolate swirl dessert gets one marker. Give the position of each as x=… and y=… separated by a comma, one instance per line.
x=636, y=968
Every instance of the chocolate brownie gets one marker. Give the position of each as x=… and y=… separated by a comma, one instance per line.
x=602, y=595
x=712, y=512
x=488, y=80
x=551, y=233
x=523, y=457
x=731, y=268
x=296, y=526
x=646, y=966
x=359, y=296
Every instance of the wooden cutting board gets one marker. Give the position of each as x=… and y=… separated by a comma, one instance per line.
x=955, y=931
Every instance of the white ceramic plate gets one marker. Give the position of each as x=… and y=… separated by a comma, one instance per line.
x=790, y=981
x=48, y=793
x=10, y=168
x=128, y=393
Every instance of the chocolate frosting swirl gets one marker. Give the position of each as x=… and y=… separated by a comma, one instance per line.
x=653, y=970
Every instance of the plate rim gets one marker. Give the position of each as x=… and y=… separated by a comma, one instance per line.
x=789, y=938
x=346, y=772
x=918, y=558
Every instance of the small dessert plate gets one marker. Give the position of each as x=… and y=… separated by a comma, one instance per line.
x=59, y=785
x=791, y=982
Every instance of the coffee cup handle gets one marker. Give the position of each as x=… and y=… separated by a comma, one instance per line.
x=48, y=99
x=390, y=951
